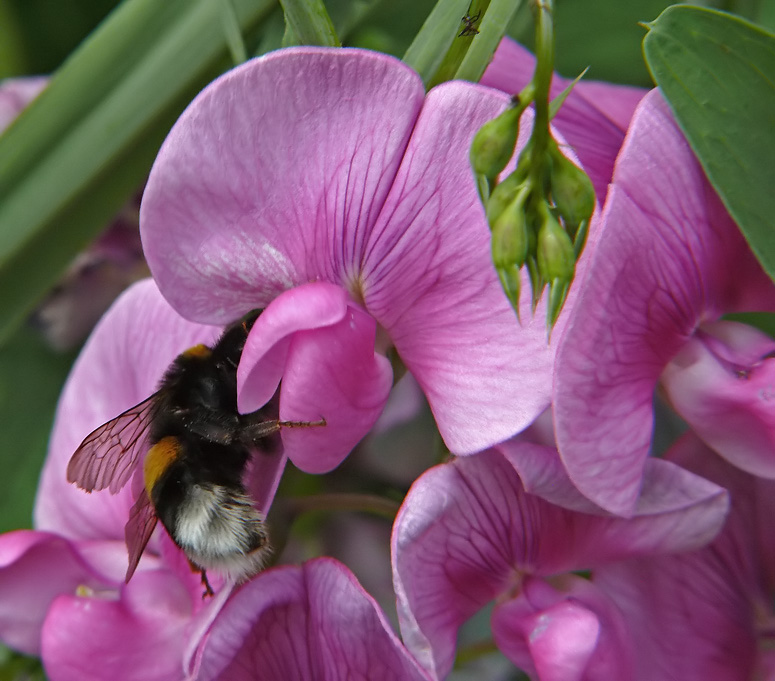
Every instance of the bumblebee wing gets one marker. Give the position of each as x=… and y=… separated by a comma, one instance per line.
x=109, y=455
x=138, y=530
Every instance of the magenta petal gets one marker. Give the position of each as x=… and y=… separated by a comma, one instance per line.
x=120, y=366
x=139, y=637
x=669, y=257
x=725, y=393
x=429, y=281
x=274, y=176
x=308, y=622
x=467, y=532
x=266, y=350
x=564, y=636
x=333, y=373
x=593, y=120
x=35, y=567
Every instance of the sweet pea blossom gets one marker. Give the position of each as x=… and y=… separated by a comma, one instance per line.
x=326, y=187
x=669, y=264
x=62, y=585
x=509, y=525
x=593, y=119
x=706, y=614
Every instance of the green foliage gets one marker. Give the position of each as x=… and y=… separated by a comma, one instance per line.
x=717, y=72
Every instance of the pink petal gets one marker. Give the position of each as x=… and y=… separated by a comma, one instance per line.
x=694, y=616
x=669, y=257
x=333, y=373
x=119, y=367
x=274, y=176
x=265, y=354
x=724, y=390
x=139, y=636
x=428, y=280
x=467, y=531
x=308, y=622
x=567, y=635
x=35, y=567
x=593, y=120
x=16, y=94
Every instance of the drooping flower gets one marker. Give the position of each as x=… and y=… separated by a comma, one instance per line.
x=670, y=263
x=508, y=525
x=326, y=187
x=707, y=614
x=593, y=119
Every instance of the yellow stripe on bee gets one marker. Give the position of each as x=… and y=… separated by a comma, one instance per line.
x=158, y=460
x=200, y=351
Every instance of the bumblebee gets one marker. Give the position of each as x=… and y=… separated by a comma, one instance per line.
x=197, y=447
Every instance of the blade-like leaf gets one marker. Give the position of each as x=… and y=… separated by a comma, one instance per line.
x=717, y=71
x=88, y=141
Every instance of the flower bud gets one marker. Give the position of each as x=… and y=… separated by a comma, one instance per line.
x=572, y=192
x=494, y=144
x=555, y=255
x=510, y=234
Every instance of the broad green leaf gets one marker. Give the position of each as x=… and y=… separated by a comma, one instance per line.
x=717, y=72
x=70, y=160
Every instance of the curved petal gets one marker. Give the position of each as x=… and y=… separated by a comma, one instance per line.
x=564, y=636
x=669, y=257
x=140, y=636
x=725, y=393
x=265, y=354
x=120, y=366
x=429, y=281
x=468, y=530
x=593, y=119
x=308, y=622
x=35, y=567
x=274, y=176
x=333, y=373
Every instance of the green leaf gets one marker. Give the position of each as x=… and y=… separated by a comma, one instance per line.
x=308, y=23
x=72, y=158
x=717, y=72
x=430, y=45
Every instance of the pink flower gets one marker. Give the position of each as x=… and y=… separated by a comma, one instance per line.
x=62, y=585
x=309, y=622
x=670, y=263
x=593, y=120
x=326, y=187
x=509, y=525
x=707, y=614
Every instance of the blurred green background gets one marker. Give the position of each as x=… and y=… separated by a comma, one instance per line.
x=37, y=35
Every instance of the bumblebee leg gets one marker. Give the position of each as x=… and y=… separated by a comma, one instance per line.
x=206, y=584
x=252, y=433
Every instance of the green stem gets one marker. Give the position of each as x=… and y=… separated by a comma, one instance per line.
x=468, y=29
x=542, y=79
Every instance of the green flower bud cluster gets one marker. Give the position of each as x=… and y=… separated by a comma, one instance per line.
x=538, y=215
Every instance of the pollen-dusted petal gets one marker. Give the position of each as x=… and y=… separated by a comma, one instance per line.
x=303, y=623
x=570, y=635
x=727, y=396
x=120, y=366
x=264, y=356
x=593, y=119
x=138, y=637
x=274, y=176
x=333, y=374
x=35, y=567
x=429, y=280
x=468, y=531
x=669, y=257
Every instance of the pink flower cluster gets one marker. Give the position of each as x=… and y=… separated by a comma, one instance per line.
x=328, y=188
